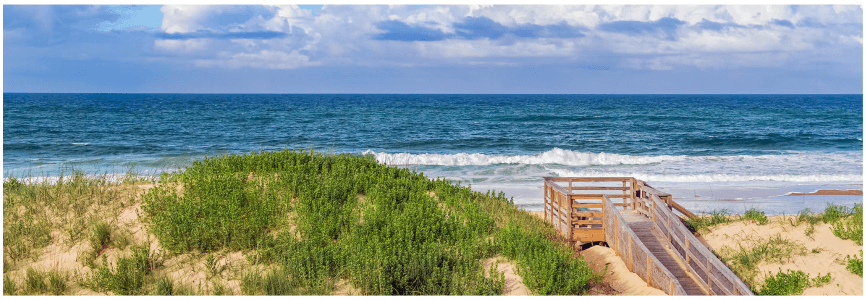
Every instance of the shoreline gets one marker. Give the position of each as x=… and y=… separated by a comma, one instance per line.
x=829, y=192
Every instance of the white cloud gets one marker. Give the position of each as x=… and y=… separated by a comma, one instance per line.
x=340, y=35
x=265, y=59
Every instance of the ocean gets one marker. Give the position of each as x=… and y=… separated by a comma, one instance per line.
x=712, y=152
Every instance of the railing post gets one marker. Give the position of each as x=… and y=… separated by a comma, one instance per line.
x=630, y=254
x=616, y=234
x=649, y=269
x=624, y=199
x=570, y=231
x=558, y=211
x=631, y=191
x=546, y=188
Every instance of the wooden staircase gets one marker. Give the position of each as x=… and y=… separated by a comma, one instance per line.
x=643, y=229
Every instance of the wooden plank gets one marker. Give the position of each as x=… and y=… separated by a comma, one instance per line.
x=586, y=222
x=618, y=196
x=588, y=235
x=558, y=189
x=570, y=207
x=682, y=209
x=600, y=179
x=599, y=188
x=585, y=214
x=546, y=189
x=585, y=196
x=588, y=205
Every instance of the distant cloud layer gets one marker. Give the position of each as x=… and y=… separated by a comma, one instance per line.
x=662, y=36
x=287, y=37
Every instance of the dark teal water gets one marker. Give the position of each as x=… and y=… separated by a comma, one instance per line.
x=482, y=139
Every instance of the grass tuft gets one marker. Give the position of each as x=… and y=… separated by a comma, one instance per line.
x=9, y=285
x=755, y=215
x=703, y=223
x=791, y=283
x=855, y=264
x=128, y=276
x=164, y=286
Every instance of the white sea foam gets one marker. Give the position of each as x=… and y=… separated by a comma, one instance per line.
x=788, y=167
x=554, y=156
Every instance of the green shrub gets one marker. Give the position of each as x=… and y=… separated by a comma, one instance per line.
x=164, y=286
x=553, y=272
x=755, y=215
x=703, y=223
x=850, y=225
x=791, y=283
x=855, y=265
x=252, y=283
x=744, y=260
x=9, y=286
x=34, y=283
x=128, y=276
x=834, y=212
x=807, y=216
x=56, y=283
x=399, y=241
x=100, y=236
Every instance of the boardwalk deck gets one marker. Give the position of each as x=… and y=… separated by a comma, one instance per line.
x=640, y=224
x=643, y=228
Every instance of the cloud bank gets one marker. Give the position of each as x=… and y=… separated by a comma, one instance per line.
x=607, y=38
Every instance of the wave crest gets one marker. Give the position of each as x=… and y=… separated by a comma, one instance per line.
x=553, y=156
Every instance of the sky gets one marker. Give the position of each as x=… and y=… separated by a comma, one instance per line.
x=441, y=49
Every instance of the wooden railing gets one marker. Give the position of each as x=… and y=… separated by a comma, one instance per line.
x=637, y=257
x=711, y=273
x=583, y=217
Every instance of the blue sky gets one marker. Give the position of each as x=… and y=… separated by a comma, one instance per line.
x=433, y=49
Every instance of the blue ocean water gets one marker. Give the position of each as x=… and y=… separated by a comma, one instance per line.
x=505, y=142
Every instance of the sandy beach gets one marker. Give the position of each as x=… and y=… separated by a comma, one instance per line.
x=824, y=253
x=829, y=193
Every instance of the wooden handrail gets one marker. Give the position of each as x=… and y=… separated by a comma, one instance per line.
x=662, y=278
x=577, y=221
x=714, y=276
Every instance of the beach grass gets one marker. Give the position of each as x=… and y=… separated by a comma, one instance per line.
x=791, y=283
x=66, y=210
x=855, y=264
x=744, y=258
x=303, y=220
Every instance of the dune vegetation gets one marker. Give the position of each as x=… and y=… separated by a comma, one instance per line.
x=755, y=246
x=276, y=223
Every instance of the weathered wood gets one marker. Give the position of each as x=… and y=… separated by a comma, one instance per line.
x=589, y=235
x=587, y=214
x=618, y=196
x=570, y=220
x=662, y=278
x=557, y=189
x=599, y=188
x=662, y=270
x=586, y=222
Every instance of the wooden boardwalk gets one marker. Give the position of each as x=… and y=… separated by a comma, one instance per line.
x=640, y=224
x=643, y=228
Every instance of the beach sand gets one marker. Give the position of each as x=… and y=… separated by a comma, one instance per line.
x=830, y=257
x=830, y=193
